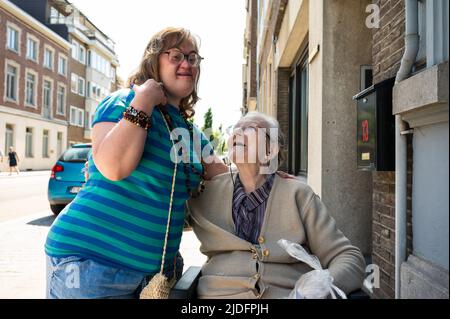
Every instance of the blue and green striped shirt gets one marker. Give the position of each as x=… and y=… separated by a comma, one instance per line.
x=123, y=223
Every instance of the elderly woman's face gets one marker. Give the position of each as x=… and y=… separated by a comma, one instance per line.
x=248, y=143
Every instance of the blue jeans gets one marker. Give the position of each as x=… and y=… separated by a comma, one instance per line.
x=75, y=277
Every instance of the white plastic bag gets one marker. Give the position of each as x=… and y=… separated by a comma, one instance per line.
x=316, y=284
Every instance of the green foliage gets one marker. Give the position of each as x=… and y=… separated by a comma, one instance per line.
x=216, y=136
x=208, y=118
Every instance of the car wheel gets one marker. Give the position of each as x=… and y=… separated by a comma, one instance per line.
x=56, y=209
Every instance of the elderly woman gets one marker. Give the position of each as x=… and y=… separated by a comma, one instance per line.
x=240, y=217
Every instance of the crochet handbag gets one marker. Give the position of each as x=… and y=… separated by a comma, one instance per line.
x=159, y=286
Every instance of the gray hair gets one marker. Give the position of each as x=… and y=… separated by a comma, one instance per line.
x=270, y=124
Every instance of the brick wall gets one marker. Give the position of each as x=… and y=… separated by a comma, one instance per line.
x=387, y=51
x=253, y=42
x=76, y=134
x=282, y=94
x=25, y=63
x=388, y=40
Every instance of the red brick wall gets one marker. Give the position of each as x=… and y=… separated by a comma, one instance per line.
x=76, y=134
x=26, y=63
x=387, y=51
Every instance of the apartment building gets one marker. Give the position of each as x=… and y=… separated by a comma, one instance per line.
x=34, y=90
x=92, y=61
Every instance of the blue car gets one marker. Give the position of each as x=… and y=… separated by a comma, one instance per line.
x=67, y=176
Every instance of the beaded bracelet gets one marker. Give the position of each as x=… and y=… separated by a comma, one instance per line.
x=137, y=117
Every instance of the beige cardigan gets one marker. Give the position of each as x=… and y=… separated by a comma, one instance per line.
x=235, y=267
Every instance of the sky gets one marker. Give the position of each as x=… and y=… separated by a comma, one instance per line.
x=220, y=25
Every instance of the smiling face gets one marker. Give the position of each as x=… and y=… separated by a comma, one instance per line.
x=247, y=143
x=179, y=79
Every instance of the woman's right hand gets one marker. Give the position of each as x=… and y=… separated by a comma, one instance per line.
x=148, y=95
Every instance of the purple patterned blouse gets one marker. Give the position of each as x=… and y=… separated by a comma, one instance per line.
x=249, y=209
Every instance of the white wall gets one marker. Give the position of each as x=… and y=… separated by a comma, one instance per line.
x=20, y=124
x=430, y=200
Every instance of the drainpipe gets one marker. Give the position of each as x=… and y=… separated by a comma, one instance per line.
x=408, y=59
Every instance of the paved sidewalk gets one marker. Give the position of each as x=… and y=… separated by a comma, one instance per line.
x=24, y=173
x=22, y=259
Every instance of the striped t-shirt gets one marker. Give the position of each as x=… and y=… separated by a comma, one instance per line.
x=123, y=223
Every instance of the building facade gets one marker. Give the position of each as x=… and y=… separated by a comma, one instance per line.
x=92, y=61
x=308, y=67
x=34, y=90
x=309, y=59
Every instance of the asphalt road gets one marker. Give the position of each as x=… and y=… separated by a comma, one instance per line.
x=23, y=195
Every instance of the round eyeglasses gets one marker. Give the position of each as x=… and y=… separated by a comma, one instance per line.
x=177, y=57
x=250, y=127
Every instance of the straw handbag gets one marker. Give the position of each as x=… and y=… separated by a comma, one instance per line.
x=159, y=286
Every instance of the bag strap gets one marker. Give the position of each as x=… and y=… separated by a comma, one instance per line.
x=171, y=195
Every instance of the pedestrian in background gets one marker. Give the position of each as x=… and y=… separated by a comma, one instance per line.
x=13, y=160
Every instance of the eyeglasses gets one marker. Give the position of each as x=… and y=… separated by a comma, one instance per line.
x=245, y=128
x=177, y=57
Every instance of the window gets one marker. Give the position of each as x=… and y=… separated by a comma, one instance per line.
x=78, y=52
x=82, y=54
x=76, y=116
x=45, y=144
x=80, y=118
x=75, y=46
x=9, y=137
x=88, y=90
x=81, y=85
x=62, y=65
x=88, y=120
x=12, y=38
x=77, y=84
x=30, y=89
x=29, y=142
x=11, y=82
x=99, y=63
x=95, y=91
x=32, y=49
x=92, y=120
x=48, y=58
x=47, y=96
x=61, y=100
x=298, y=118
x=74, y=83
x=56, y=17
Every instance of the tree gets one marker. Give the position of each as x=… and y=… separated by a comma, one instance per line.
x=208, y=120
x=216, y=137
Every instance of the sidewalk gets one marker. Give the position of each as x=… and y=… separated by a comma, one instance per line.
x=22, y=258
x=24, y=173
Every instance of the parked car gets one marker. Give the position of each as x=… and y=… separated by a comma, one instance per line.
x=67, y=176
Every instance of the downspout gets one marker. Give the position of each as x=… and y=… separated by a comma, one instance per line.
x=408, y=59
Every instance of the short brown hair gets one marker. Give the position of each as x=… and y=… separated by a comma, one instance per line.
x=149, y=67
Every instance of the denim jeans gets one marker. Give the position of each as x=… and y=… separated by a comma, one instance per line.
x=75, y=277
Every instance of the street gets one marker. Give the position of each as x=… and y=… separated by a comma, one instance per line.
x=25, y=218
x=23, y=195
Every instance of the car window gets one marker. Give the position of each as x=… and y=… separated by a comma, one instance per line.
x=76, y=154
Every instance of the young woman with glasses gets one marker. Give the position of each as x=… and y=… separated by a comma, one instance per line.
x=111, y=239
